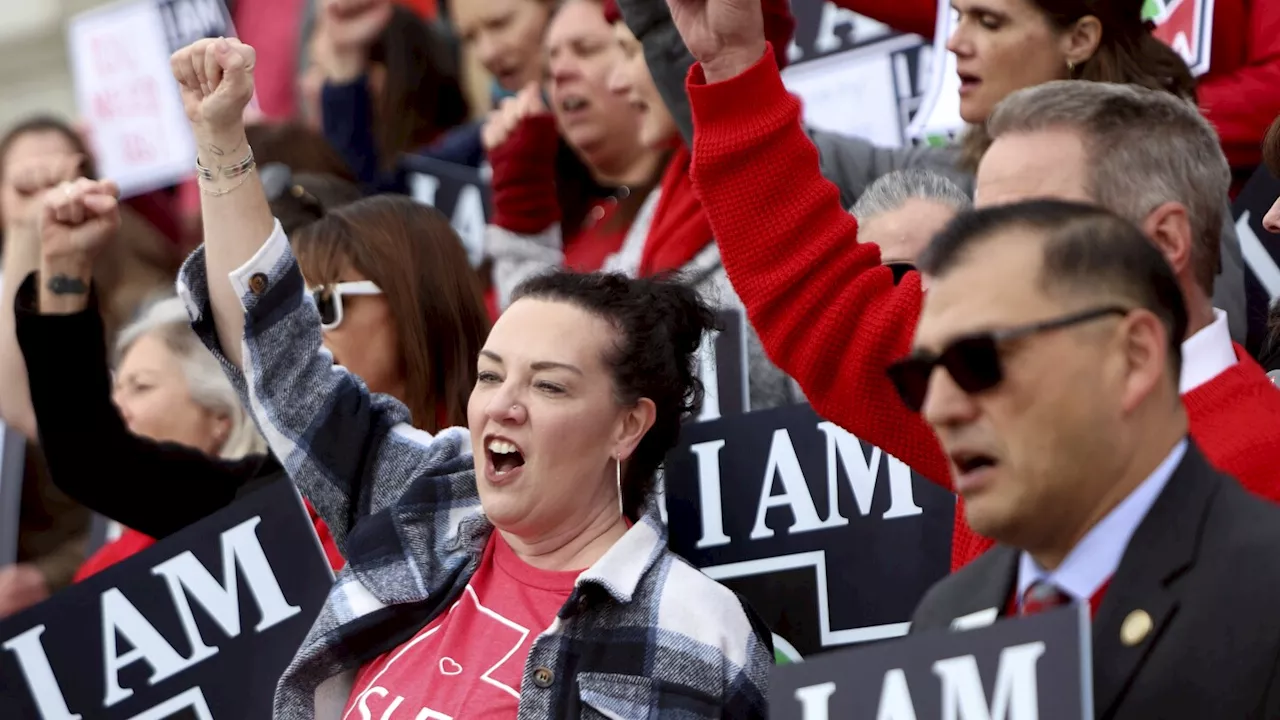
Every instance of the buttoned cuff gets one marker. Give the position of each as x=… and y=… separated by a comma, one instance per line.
x=264, y=270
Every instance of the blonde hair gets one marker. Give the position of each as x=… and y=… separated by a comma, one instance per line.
x=166, y=319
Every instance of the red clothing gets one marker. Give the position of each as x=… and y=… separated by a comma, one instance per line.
x=525, y=201
x=830, y=315
x=468, y=661
x=679, y=229
x=1011, y=608
x=1238, y=94
x=274, y=30
x=131, y=542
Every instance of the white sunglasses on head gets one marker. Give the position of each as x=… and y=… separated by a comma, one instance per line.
x=329, y=299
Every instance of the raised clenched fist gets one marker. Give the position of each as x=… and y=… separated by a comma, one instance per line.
x=725, y=36
x=77, y=220
x=513, y=110
x=216, y=77
x=31, y=178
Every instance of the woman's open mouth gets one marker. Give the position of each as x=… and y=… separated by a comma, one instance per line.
x=504, y=456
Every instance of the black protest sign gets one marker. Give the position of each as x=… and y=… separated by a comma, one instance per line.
x=1034, y=668
x=200, y=625
x=824, y=29
x=460, y=192
x=831, y=540
x=186, y=21
x=1260, y=248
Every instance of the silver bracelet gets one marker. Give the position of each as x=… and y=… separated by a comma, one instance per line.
x=230, y=172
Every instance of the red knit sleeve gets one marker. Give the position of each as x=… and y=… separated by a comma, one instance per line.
x=825, y=309
x=524, y=177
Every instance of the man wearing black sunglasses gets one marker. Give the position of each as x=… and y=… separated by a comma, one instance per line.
x=1047, y=360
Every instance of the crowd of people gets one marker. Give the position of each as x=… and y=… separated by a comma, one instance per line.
x=1050, y=317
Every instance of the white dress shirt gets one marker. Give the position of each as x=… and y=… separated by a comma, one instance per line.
x=1095, y=558
x=1207, y=354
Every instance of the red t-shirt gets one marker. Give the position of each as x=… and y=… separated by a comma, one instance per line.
x=468, y=661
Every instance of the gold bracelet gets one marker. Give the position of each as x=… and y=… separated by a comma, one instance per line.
x=213, y=192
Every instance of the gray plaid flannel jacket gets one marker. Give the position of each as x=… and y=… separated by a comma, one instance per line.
x=643, y=635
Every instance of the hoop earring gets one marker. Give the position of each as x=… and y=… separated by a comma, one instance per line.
x=618, y=465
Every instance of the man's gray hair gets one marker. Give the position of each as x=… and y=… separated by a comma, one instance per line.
x=1146, y=147
x=892, y=190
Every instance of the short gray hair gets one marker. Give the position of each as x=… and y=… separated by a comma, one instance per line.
x=892, y=190
x=167, y=320
x=1146, y=147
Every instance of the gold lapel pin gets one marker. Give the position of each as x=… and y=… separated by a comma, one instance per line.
x=1136, y=627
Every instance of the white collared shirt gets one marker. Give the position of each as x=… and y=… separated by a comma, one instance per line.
x=1095, y=558
x=1207, y=354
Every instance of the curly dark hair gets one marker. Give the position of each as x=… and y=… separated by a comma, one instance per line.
x=660, y=324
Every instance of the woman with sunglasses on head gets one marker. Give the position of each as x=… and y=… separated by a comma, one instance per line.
x=61, y=345
x=553, y=529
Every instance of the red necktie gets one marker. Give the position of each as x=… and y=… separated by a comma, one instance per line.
x=1042, y=596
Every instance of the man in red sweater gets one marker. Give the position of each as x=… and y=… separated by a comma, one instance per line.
x=830, y=316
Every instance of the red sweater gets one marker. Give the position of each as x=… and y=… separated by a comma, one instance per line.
x=1238, y=94
x=525, y=200
x=830, y=315
x=132, y=542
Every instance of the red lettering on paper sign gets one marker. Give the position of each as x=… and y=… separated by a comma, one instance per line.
x=139, y=98
x=138, y=149
x=110, y=55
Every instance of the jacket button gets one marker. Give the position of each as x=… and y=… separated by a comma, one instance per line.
x=258, y=283
x=543, y=677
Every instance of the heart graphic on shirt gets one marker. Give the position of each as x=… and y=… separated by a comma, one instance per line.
x=449, y=666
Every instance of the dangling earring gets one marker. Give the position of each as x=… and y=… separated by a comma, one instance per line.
x=618, y=465
x=1071, y=70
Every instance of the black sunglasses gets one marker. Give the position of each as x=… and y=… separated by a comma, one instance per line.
x=973, y=361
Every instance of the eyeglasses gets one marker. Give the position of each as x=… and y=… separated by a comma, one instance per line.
x=973, y=361
x=329, y=299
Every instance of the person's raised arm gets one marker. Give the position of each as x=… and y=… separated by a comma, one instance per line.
x=345, y=32
x=21, y=256
x=216, y=81
x=349, y=451
x=524, y=238
x=61, y=335
x=825, y=309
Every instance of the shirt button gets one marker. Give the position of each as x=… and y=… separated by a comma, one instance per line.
x=543, y=677
x=258, y=283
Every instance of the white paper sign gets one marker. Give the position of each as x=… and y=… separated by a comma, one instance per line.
x=126, y=93
x=853, y=93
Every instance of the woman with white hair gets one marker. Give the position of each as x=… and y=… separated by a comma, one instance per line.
x=169, y=388
x=163, y=444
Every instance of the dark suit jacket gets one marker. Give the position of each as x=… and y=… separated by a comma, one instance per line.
x=1205, y=564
